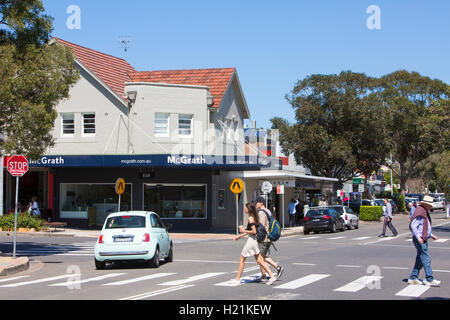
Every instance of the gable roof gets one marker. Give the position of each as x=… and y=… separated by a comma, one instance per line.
x=115, y=73
x=111, y=70
x=217, y=79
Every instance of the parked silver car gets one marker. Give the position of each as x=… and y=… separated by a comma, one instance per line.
x=351, y=218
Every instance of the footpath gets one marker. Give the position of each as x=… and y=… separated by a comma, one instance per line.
x=9, y=266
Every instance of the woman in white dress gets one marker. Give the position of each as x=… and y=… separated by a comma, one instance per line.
x=251, y=247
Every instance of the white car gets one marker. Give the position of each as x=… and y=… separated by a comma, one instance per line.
x=438, y=204
x=133, y=236
x=351, y=218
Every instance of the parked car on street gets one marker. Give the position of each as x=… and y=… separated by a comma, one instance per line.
x=414, y=201
x=133, y=236
x=438, y=204
x=351, y=218
x=394, y=206
x=380, y=202
x=323, y=219
x=368, y=202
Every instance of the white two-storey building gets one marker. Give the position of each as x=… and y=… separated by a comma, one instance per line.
x=176, y=137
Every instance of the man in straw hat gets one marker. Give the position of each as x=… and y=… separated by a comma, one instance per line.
x=421, y=231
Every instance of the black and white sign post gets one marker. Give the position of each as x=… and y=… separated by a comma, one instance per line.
x=17, y=167
x=266, y=188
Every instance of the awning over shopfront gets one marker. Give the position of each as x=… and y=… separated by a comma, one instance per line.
x=284, y=175
x=133, y=161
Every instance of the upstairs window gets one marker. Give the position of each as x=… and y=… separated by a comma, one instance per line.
x=67, y=125
x=89, y=124
x=161, y=124
x=185, y=125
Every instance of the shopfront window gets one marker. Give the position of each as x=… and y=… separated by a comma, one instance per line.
x=176, y=201
x=92, y=201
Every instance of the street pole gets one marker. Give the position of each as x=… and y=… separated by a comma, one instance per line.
x=1, y=186
x=237, y=213
x=282, y=211
x=118, y=209
x=15, y=217
x=392, y=186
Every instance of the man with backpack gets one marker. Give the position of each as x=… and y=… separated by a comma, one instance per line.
x=265, y=217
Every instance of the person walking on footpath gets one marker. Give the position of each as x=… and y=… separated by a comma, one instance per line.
x=264, y=246
x=421, y=230
x=388, y=220
x=292, y=212
x=251, y=247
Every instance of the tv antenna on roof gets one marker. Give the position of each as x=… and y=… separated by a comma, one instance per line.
x=124, y=43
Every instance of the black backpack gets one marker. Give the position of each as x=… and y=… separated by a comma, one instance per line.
x=261, y=233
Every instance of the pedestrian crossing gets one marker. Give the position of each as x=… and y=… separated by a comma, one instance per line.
x=87, y=248
x=73, y=249
x=362, y=238
x=174, y=282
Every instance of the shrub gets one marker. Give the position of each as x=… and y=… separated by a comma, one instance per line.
x=24, y=220
x=400, y=201
x=370, y=213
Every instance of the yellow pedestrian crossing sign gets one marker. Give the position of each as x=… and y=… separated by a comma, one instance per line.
x=120, y=186
x=237, y=186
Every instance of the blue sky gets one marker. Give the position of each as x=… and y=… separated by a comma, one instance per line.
x=272, y=44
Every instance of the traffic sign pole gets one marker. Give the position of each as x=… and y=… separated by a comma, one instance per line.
x=237, y=213
x=237, y=186
x=17, y=167
x=15, y=217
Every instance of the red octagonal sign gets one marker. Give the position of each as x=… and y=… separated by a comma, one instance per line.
x=17, y=166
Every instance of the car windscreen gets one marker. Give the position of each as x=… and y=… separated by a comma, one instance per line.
x=125, y=222
x=317, y=213
x=339, y=210
x=379, y=202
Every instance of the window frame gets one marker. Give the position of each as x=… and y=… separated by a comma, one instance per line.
x=67, y=135
x=191, y=125
x=83, y=133
x=162, y=219
x=162, y=135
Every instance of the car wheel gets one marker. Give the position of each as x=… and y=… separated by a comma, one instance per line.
x=333, y=228
x=100, y=265
x=154, y=262
x=170, y=256
x=343, y=227
x=357, y=225
x=305, y=231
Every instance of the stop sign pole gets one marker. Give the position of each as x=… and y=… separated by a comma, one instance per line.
x=17, y=167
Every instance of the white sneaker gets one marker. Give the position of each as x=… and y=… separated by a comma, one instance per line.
x=234, y=282
x=271, y=281
x=415, y=281
x=434, y=283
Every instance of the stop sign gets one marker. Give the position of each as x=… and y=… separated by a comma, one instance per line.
x=17, y=166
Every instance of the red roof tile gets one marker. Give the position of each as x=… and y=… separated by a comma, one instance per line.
x=216, y=79
x=111, y=70
x=115, y=72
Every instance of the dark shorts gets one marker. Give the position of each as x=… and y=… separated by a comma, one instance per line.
x=264, y=247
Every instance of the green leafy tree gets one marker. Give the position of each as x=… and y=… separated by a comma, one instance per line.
x=339, y=128
x=416, y=106
x=34, y=76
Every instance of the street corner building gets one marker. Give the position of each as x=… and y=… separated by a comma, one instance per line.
x=177, y=138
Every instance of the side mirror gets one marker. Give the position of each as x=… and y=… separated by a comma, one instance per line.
x=168, y=226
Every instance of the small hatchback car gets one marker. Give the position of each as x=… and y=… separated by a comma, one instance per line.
x=133, y=236
x=322, y=219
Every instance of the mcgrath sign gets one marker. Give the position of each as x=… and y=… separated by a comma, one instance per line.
x=17, y=166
